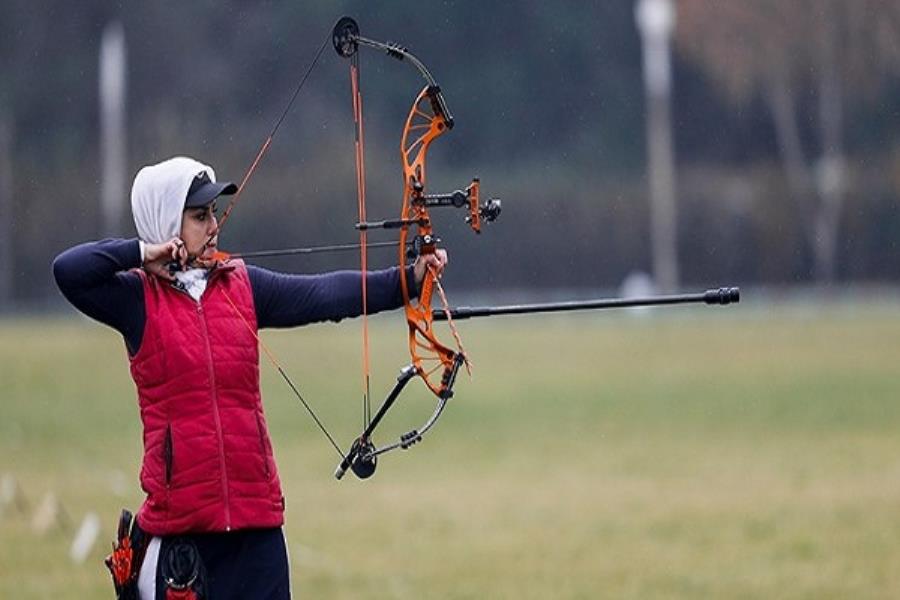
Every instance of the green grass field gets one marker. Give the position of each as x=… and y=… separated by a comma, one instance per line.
x=717, y=453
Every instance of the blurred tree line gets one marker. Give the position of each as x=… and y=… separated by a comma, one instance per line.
x=785, y=123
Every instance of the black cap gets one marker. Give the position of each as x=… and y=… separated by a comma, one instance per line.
x=203, y=190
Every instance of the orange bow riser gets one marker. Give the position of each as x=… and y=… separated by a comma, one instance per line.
x=424, y=124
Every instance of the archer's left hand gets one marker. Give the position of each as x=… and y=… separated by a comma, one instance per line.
x=436, y=262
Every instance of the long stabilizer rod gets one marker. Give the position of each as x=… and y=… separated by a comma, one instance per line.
x=720, y=296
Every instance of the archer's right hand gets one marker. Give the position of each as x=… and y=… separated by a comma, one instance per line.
x=157, y=257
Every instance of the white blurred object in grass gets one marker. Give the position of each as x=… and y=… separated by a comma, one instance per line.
x=118, y=483
x=11, y=495
x=46, y=514
x=85, y=538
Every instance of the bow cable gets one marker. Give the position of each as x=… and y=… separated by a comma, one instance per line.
x=363, y=240
x=450, y=324
x=271, y=356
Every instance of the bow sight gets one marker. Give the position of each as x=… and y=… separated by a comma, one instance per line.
x=468, y=198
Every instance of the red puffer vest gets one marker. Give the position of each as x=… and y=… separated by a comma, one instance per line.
x=208, y=462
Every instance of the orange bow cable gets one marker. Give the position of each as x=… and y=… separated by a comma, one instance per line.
x=363, y=253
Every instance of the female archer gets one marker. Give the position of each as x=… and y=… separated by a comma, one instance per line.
x=214, y=508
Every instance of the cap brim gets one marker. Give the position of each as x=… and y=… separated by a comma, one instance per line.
x=209, y=192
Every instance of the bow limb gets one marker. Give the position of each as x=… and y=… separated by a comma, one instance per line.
x=425, y=122
x=428, y=354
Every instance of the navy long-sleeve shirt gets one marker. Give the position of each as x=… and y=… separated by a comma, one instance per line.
x=97, y=278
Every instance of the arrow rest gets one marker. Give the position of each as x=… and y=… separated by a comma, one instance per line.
x=421, y=244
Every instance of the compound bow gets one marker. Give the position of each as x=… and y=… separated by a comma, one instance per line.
x=434, y=362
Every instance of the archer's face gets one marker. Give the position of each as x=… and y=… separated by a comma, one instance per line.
x=197, y=225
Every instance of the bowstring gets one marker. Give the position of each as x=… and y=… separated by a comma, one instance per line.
x=227, y=212
x=271, y=356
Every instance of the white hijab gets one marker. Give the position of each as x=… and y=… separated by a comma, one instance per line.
x=158, y=194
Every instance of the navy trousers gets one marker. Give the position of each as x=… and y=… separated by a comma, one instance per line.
x=234, y=565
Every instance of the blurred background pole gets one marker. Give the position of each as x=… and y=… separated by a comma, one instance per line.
x=7, y=243
x=113, y=198
x=656, y=20
x=831, y=170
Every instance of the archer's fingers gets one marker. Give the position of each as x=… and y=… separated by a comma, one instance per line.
x=161, y=270
x=178, y=251
x=437, y=261
x=441, y=255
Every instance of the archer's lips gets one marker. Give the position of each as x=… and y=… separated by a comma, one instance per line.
x=209, y=251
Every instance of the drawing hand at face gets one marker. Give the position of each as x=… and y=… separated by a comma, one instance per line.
x=157, y=257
